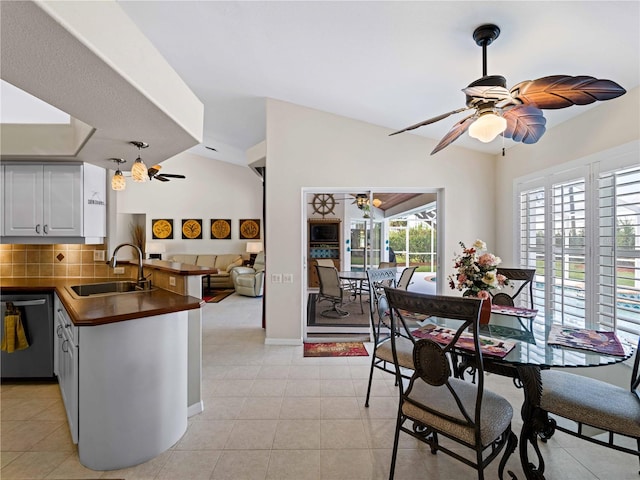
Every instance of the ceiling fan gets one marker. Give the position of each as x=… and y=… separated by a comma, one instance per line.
x=517, y=113
x=154, y=172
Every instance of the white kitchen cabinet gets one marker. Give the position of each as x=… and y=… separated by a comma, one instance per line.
x=54, y=203
x=66, y=365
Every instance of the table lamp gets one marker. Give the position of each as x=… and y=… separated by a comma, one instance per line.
x=155, y=250
x=253, y=248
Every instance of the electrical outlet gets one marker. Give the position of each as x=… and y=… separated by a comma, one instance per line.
x=98, y=255
x=287, y=278
x=276, y=278
x=172, y=281
x=118, y=271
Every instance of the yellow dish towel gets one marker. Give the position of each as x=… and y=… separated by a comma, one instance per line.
x=14, y=335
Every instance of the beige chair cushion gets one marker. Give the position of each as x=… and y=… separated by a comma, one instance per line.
x=590, y=401
x=404, y=347
x=496, y=413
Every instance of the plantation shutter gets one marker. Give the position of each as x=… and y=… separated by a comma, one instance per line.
x=619, y=250
x=568, y=220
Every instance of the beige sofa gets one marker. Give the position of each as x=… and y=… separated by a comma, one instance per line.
x=224, y=263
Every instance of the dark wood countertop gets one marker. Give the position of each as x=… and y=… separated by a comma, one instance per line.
x=97, y=310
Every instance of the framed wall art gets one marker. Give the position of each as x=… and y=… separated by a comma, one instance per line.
x=162, y=229
x=249, y=229
x=192, y=229
x=220, y=229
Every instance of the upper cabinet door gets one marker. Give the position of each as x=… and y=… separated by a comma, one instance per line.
x=43, y=200
x=62, y=209
x=23, y=205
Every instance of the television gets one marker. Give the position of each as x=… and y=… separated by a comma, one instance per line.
x=325, y=232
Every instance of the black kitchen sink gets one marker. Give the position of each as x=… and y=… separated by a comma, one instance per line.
x=107, y=288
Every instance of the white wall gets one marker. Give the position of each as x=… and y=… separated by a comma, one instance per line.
x=307, y=148
x=212, y=189
x=610, y=124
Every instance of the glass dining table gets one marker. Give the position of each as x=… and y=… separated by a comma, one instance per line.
x=531, y=354
x=355, y=280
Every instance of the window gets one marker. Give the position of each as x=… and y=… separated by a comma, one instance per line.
x=619, y=251
x=580, y=230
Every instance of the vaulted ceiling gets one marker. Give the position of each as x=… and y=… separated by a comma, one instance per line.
x=388, y=63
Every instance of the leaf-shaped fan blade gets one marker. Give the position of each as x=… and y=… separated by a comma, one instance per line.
x=431, y=120
x=560, y=91
x=525, y=123
x=171, y=175
x=161, y=178
x=457, y=130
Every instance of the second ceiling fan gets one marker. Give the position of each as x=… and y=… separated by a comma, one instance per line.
x=517, y=113
x=154, y=172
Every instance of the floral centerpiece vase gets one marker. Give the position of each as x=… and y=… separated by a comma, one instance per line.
x=476, y=275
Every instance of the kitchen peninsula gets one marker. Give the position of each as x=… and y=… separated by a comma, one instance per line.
x=127, y=398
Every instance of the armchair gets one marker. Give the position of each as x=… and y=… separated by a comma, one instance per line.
x=249, y=281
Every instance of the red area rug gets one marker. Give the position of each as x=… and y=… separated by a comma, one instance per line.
x=335, y=349
x=215, y=296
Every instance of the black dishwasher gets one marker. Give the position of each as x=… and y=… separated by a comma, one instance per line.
x=36, y=361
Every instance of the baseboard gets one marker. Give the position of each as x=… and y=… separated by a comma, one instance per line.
x=195, y=409
x=283, y=341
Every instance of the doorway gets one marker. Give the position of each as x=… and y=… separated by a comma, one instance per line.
x=365, y=216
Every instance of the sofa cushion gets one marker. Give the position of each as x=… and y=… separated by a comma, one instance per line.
x=185, y=258
x=206, y=261
x=223, y=261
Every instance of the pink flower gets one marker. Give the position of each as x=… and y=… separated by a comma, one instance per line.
x=487, y=259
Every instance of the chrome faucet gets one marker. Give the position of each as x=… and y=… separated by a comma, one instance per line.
x=142, y=282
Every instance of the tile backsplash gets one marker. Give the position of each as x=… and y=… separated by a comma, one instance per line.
x=60, y=260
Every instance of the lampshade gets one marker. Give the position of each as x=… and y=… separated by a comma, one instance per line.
x=139, y=171
x=377, y=202
x=118, y=182
x=487, y=127
x=254, y=247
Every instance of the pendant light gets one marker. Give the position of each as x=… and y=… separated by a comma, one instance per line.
x=139, y=171
x=118, y=182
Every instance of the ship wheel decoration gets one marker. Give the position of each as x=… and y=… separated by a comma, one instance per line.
x=323, y=204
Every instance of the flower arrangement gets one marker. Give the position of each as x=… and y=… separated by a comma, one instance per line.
x=477, y=272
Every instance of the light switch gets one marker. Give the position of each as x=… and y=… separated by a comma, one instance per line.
x=276, y=278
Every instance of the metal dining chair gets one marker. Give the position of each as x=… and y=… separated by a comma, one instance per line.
x=435, y=403
x=405, y=278
x=330, y=289
x=524, y=277
x=590, y=402
x=382, y=357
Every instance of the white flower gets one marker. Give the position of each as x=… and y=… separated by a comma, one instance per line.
x=479, y=245
x=490, y=278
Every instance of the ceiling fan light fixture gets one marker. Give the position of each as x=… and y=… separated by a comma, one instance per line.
x=487, y=127
x=139, y=171
x=377, y=202
x=118, y=182
x=361, y=200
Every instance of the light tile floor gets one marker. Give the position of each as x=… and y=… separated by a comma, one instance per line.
x=272, y=414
